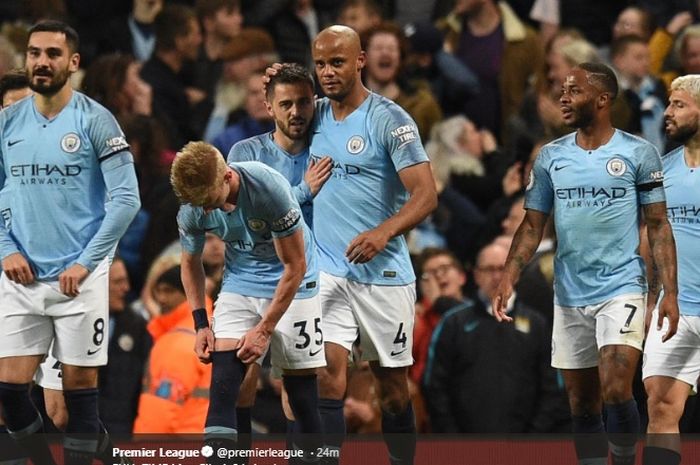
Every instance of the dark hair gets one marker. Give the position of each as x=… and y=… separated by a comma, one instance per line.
x=172, y=22
x=371, y=6
x=432, y=252
x=601, y=75
x=620, y=45
x=104, y=81
x=14, y=79
x=208, y=8
x=51, y=25
x=289, y=73
x=171, y=277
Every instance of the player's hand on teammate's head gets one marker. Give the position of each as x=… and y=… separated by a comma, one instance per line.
x=269, y=72
x=204, y=344
x=17, y=269
x=69, y=281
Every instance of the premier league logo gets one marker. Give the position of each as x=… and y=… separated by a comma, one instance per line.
x=70, y=142
x=616, y=167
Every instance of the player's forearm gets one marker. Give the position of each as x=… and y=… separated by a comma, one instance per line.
x=123, y=206
x=193, y=280
x=524, y=245
x=422, y=202
x=663, y=249
x=286, y=290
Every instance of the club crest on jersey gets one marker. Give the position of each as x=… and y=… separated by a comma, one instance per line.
x=256, y=224
x=616, y=167
x=70, y=142
x=355, y=145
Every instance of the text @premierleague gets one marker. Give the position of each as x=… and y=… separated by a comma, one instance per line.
x=170, y=456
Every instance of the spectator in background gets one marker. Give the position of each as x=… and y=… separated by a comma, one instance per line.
x=255, y=121
x=464, y=390
x=361, y=15
x=385, y=49
x=501, y=50
x=114, y=81
x=450, y=80
x=645, y=95
x=252, y=50
x=294, y=26
x=128, y=349
x=221, y=22
x=442, y=279
x=175, y=398
x=472, y=158
x=14, y=86
x=133, y=34
x=687, y=53
x=9, y=59
x=177, y=42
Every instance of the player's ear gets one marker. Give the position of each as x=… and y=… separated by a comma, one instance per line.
x=268, y=107
x=604, y=99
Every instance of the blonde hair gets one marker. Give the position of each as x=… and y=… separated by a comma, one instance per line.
x=689, y=83
x=196, y=171
x=579, y=51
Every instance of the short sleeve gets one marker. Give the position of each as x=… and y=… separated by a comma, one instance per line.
x=399, y=135
x=241, y=151
x=650, y=176
x=192, y=235
x=106, y=136
x=539, y=193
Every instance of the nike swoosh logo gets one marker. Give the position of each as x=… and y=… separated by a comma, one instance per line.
x=93, y=352
x=623, y=331
x=13, y=142
x=312, y=353
x=557, y=168
x=469, y=327
x=394, y=354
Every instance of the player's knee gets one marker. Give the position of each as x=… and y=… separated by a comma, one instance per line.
x=75, y=378
x=664, y=413
x=331, y=383
x=393, y=397
x=617, y=391
x=583, y=405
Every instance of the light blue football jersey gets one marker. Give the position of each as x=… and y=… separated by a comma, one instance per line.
x=265, y=209
x=682, y=186
x=368, y=149
x=263, y=148
x=68, y=185
x=595, y=197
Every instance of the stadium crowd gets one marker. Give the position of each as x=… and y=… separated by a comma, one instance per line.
x=481, y=79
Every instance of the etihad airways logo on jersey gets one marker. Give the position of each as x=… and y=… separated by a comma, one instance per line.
x=577, y=197
x=338, y=170
x=683, y=214
x=37, y=174
x=405, y=134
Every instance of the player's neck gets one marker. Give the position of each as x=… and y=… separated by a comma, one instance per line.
x=594, y=136
x=234, y=184
x=289, y=145
x=51, y=105
x=692, y=152
x=343, y=108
